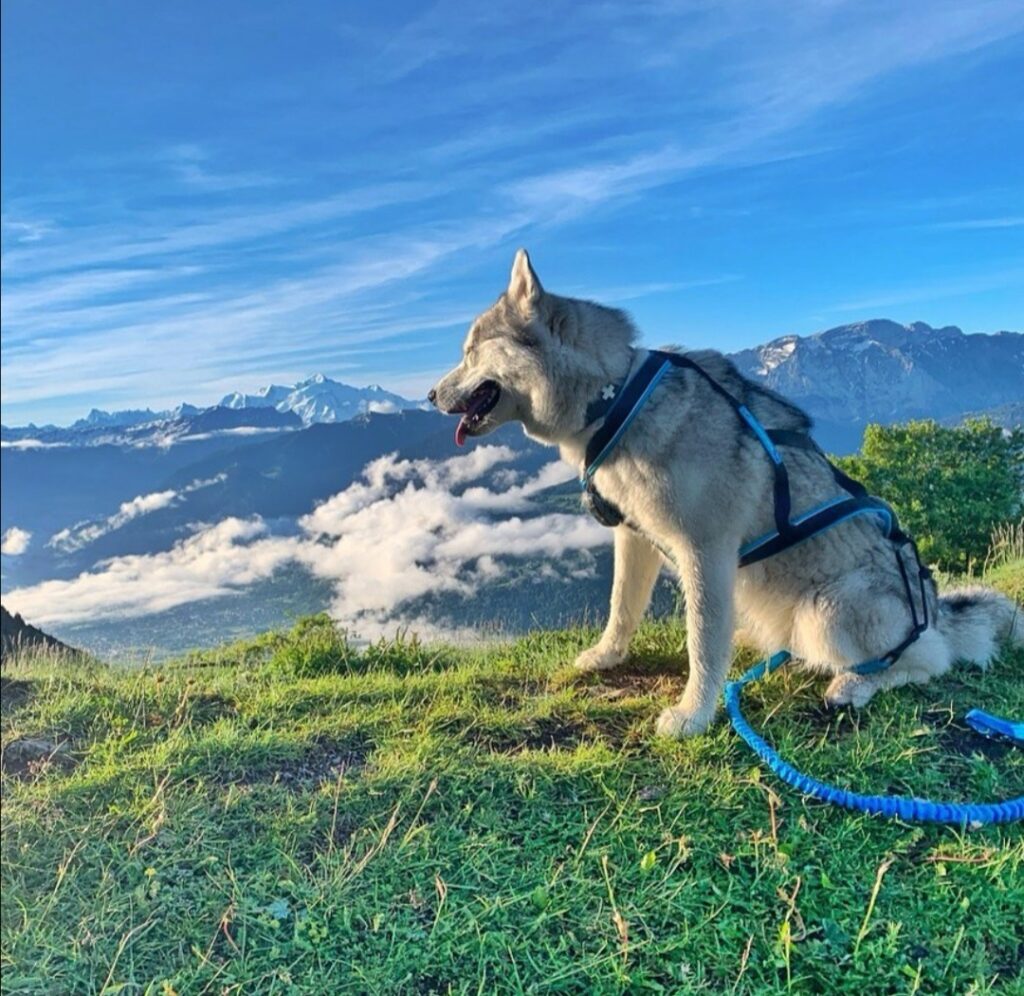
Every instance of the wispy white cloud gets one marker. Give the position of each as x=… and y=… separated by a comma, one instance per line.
x=30, y=444
x=25, y=230
x=263, y=264
x=970, y=224
x=76, y=537
x=156, y=235
x=615, y=293
x=937, y=290
x=213, y=562
x=242, y=329
x=192, y=164
x=66, y=292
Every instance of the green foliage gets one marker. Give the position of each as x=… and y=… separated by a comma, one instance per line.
x=1008, y=577
x=314, y=646
x=407, y=819
x=950, y=487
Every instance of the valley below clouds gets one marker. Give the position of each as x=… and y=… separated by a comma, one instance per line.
x=401, y=547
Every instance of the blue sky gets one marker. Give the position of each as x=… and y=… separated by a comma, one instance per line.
x=201, y=197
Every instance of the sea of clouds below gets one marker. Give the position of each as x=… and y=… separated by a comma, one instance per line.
x=405, y=530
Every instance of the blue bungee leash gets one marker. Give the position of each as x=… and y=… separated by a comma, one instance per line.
x=892, y=806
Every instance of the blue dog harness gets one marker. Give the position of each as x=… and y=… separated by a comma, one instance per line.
x=618, y=407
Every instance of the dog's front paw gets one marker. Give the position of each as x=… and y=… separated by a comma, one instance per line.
x=850, y=689
x=598, y=658
x=678, y=722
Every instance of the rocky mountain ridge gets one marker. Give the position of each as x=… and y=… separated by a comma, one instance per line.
x=17, y=635
x=881, y=371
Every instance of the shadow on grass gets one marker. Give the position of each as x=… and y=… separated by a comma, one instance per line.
x=301, y=768
x=14, y=692
x=961, y=741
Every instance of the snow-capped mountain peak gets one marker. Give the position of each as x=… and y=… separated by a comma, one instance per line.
x=98, y=418
x=266, y=397
x=882, y=371
x=318, y=398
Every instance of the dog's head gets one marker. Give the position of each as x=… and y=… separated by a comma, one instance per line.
x=502, y=367
x=522, y=361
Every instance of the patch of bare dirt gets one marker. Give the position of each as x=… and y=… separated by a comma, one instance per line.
x=28, y=757
x=549, y=733
x=639, y=679
x=615, y=728
x=323, y=762
x=964, y=742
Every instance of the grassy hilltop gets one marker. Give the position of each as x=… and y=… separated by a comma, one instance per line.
x=288, y=815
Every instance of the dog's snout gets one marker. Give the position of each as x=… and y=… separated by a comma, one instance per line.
x=432, y=396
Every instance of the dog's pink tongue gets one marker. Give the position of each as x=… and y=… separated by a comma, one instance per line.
x=460, y=433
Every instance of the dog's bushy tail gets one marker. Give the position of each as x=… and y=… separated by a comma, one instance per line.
x=976, y=620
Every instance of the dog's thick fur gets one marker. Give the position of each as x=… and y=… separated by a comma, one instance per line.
x=694, y=486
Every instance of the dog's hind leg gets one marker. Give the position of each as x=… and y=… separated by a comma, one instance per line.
x=923, y=660
x=637, y=564
x=857, y=620
x=709, y=578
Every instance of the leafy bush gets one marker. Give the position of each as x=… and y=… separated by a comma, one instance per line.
x=252, y=651
x=951, y=487
x=312, y=647
x=315, y=646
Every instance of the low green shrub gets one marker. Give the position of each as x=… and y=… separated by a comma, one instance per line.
x=314, y=646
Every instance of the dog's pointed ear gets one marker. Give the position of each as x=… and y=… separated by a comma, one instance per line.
x=524, y=289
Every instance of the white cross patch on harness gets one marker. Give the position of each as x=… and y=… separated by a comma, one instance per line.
x=608, y=392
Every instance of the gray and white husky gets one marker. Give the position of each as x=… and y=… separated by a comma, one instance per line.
x=693, y=486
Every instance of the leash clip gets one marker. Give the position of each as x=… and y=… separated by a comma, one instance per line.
x=995, y=726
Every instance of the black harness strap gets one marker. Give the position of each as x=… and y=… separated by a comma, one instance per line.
x=795, y=439
x=783, y=504
x=617, y=418
x=812, y=524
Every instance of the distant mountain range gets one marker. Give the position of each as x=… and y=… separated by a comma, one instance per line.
x=185, y=424
x=845, y=377
x=881, y=371
x=318, y=399
x=118, y=485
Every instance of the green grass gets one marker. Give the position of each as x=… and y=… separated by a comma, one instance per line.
x=1009, y=577
x=287, y=815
